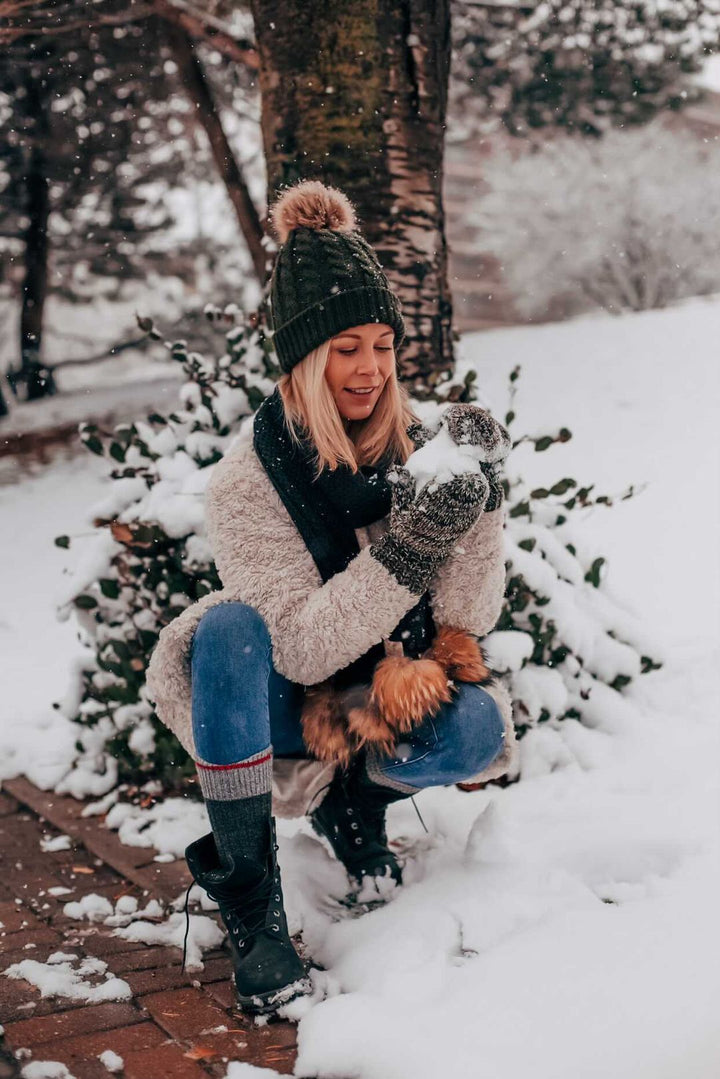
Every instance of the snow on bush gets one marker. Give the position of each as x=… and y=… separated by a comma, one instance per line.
x=625, y=223
x=562, y=646
x=151, y=559
x=584, y=67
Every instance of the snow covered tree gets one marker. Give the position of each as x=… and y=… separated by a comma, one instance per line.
x=354, y=93
x=566, y=650
x=626, y=223
x=583, y=67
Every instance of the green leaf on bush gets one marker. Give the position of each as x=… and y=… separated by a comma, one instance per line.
x=593, y=574
x=522, y=509
x=562, y=486
x=109, y=587
x=62, y=541
x=94, y=444
x=543, y=443
x=85, y=602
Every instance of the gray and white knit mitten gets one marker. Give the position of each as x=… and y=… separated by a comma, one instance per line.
x=423, y=531
x=471, y=425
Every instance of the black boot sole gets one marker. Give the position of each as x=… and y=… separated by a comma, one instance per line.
x=267, y=1003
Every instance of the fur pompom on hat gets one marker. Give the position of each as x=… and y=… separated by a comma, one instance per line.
x=312, y=205
x=326, y=276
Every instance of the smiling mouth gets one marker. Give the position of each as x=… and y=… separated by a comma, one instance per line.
x=361, y=392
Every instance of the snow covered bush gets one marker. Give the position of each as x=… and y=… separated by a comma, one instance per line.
x=628, y=222
x=151, y=558
x=585, y=67
x=565, y=649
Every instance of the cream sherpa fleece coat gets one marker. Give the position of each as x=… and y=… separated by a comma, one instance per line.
x=315, y=628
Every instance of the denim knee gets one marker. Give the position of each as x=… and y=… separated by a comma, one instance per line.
x=471, y=734
x=458, y=743
x=229, y=674
x=229, y=620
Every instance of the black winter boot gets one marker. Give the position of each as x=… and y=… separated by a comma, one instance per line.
x=351, y=817
x=268, y=970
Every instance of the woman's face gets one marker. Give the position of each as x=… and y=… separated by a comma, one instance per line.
x=360, y=358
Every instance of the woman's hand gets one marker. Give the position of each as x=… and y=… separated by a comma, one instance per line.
x=423, y=531
x=474, y=426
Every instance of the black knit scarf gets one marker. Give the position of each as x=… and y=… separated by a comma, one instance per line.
x=326, y=511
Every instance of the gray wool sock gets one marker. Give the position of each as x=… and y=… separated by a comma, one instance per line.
x=238, y=798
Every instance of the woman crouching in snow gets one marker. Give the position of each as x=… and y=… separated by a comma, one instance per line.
x=338, y=669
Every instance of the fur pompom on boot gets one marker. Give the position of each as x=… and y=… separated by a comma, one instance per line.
x=336, y=723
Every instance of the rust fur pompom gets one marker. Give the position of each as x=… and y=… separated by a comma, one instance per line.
x=405, y=690
x=336, y=723
x=324, y=725
x=311, y=204
x=460, y=655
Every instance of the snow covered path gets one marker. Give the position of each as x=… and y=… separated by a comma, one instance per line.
x=563, y=927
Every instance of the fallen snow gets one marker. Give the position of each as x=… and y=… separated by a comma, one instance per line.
x=58, y=842
x=59, y=978
x=112, y=1061
x=203, y=934
x=169, y=825
x=240, y=1070
x=94, y=908
x=45, y=1069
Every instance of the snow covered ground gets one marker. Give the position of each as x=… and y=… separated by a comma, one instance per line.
x=565, y=926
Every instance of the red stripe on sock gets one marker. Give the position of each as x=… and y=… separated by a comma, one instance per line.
x=230, y=767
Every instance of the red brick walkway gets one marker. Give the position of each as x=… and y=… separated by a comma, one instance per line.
x=171, y=1027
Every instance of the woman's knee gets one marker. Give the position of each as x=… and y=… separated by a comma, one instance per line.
x=231, y=623
x=474, y=735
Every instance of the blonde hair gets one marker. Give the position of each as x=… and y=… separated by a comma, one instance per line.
x=311, y=411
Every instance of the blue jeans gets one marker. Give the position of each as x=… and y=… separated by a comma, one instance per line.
x=240, y=705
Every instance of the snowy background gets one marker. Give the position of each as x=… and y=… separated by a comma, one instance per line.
x=577, y=906
x=564, y=926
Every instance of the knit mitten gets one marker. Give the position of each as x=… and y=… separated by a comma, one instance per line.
x=423, y=531
x=471, y=425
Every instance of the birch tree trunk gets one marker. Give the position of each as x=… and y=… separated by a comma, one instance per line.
x=354, y=93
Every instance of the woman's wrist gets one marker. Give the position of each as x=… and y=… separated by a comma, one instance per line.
x=408, y=566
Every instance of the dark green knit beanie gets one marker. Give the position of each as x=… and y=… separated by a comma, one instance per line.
x=326, y=276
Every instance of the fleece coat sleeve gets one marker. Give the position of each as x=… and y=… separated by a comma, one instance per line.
x=468, y=589
x=315, y=628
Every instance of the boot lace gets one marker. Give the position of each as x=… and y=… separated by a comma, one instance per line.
x=239, y=911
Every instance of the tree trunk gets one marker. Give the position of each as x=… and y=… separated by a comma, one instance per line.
x=354, y=93
x=196, y=86
x=38, y=380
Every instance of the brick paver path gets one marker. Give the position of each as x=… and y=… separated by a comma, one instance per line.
x=177, y=1026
